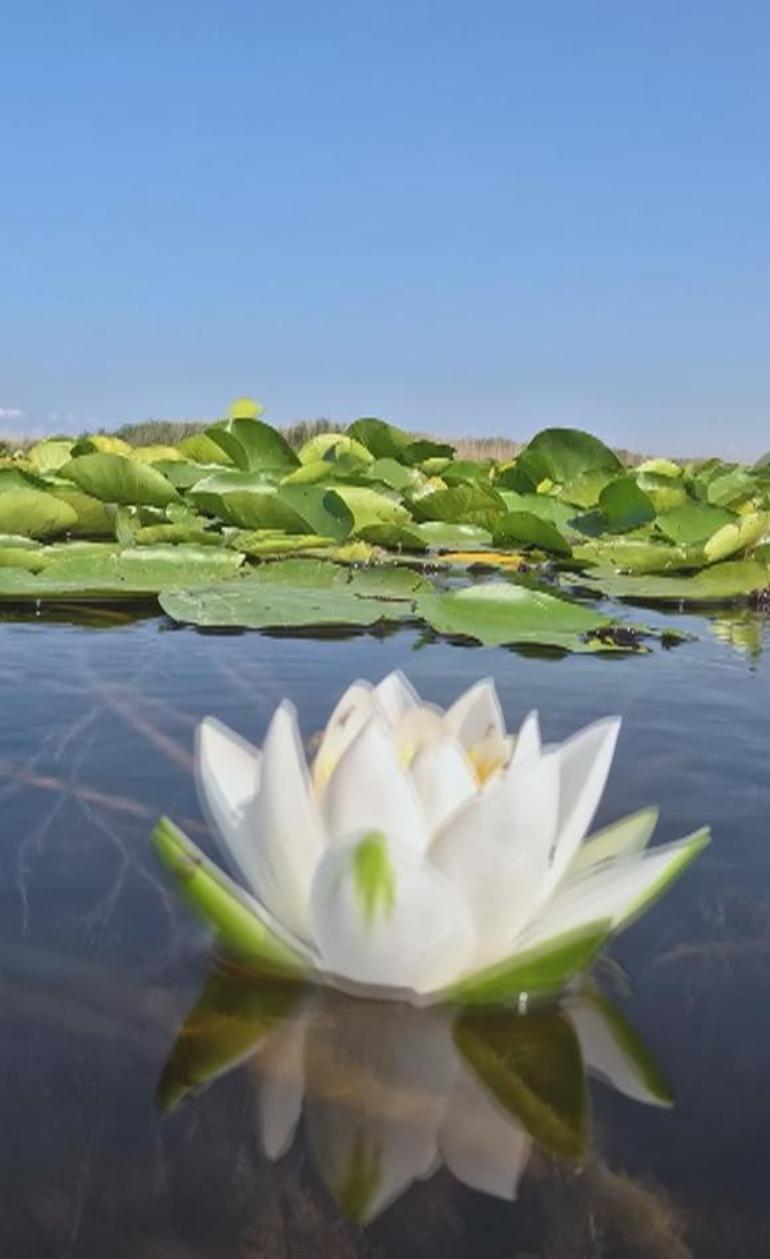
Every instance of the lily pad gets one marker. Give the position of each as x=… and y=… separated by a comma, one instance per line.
x=625, y=505
x=563, y=454
x=131, y=573
x=252, y=445
x=522, y=528
x=721, y=583
x=35, y=513
x=116, y=479
x=504, y=613
x=294, y=593
x=693, y=523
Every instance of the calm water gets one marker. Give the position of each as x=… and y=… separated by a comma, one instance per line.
x=267, y=1124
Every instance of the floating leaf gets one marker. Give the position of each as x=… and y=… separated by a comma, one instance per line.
x=382, y=440
x=367, y=507
x=293, y=593
x=134, y=572
x=50, y=455
x=525, y=529
x=625, y=505
x=34, y=513
x=329, y=446
x=501, y=613
x=395, y=537
x=253, y=445
x=722, y=583
x=115, y=479
x=104, y=443
x=462, y=504
x=563, y=454
x=200, y=448
x=744, y=532
x=693, y=523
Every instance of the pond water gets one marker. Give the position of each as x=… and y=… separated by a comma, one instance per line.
x=272, y=1125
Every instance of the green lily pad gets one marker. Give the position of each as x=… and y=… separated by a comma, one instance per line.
x=721, y=583
x=693, y=524
x=35, y=513
x=625, y=505
x=294, y=593
x=50, y=455
x=253, y=445
x=382, y=440
x=506, y=614
x=113, y=478
x=132, y=573
x=521, y=528
x=563, y=454
x=462, y=504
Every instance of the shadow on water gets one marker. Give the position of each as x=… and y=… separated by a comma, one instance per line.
x=303, y=1123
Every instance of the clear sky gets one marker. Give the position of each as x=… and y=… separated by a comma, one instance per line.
x=467, y=216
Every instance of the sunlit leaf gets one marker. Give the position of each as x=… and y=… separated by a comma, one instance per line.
x=34, y=513
x=116, y=479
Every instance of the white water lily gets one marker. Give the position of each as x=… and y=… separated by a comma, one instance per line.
x=424, y=854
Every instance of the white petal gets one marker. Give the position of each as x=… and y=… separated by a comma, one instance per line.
x=227, y=775
x=287, y=830
x=396, y=696
x=419, y=726
x=584, y=763
x=615, y=893
x=496, y=850
x=607, y=1051
x=369, y=789
x=624, y=838
x=528, y=739
x=484, y=1146
x=444, y=780
x=476, y=714
x=351, y=713
x=384, y=916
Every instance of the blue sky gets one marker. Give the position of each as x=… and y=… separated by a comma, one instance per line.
x=467, y=217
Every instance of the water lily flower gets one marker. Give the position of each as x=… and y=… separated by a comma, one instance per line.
x=390, y=1093
x=424, y=855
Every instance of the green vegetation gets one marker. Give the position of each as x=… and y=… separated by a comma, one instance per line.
x=239, y=524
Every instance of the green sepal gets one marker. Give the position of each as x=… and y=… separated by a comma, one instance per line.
x=538, y=972
x=225, y=906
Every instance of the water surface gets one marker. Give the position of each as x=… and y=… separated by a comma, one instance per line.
x=102, y=965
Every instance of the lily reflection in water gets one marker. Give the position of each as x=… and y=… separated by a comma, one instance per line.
x=387, y=1092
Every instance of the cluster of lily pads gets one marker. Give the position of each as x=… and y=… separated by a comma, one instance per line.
x=234, y=527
